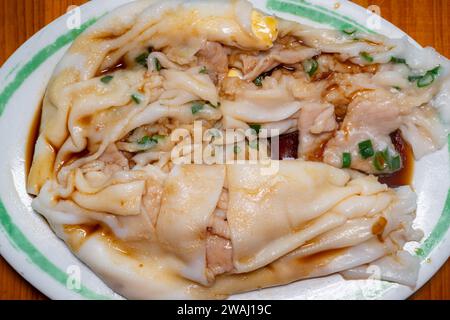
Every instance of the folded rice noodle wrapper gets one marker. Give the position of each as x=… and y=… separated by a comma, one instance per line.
x=190, y=196
x=305, y=220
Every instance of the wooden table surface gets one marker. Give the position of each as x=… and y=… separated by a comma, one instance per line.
x=427, y=21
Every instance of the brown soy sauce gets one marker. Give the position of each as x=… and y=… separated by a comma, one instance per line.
x=404, y=176
x=120, y=65
x=288, y=146
x=33, y=135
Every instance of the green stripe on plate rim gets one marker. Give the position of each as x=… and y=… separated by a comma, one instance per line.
x=316, y=13
x=295, y=7
x=15, y=235
x=20, y=241
x=38, y=59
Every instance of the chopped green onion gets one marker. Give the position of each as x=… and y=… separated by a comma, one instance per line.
x=147, y=140
x=158, y=137
x=237, y=149
x=256, y=127
x=157, y=64
x=106, y=79
x=310, y=66
x=142, y=59
x=398, y=60
x=203, y=70
x=151, y=141
x=414, y=78
x=196, y=107
x=426, y=80
x=144, y=140
x=395, y=163
x=366, y=149
x=380, y=160
x=137, y=98
x=397, y=88
x=366, y=57
x=436, y=71
x=383, y=160
x=349, y=31
x=260, y=78
x=346, y=160
x=258, y=81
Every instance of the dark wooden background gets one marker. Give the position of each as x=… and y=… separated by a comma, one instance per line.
x=427, y=21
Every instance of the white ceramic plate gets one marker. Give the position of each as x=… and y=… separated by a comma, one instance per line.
x=29, y=245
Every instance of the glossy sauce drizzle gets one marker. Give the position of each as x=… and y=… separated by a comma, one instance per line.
x=120, y=65
x=288, y=145
x=33, y=135
x=404, y=176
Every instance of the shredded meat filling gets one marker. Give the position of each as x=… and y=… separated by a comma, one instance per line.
x=219, y=250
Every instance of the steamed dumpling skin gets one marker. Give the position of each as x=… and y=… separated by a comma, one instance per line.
x=298, y=193
x=281, y=231
x=119, y=199
x=189, y=198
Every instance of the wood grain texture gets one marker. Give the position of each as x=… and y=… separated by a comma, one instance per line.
x=427, y=21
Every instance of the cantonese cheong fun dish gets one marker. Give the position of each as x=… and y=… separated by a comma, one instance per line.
x=150, y=227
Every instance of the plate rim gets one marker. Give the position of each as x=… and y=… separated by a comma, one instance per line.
x=13, y=254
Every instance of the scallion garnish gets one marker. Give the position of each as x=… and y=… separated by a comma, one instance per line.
x=414, y=78
x=258, y=81
x=137, y=98
x=196, y=107
x=366, y=149
x=395, y=163
x=237, y=149
x=436, y=71
x=203, y=70
x=366, y=57
x=398, y=60
x=151, y=141
x=147, y=141
x=142, y=59
x=381, y=160
x=310, y=66
x=426, y=79
x=158, y=137
x=260, y=78
x=106, y=79
x=144, y=140
x=157, y=64
x=256, y=127
x=346, y=160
